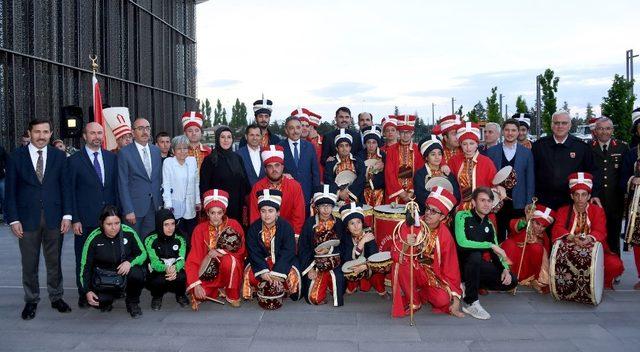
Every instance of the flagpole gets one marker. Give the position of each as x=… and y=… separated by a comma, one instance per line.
x=97, y=99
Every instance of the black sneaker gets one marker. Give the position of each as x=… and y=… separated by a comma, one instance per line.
x=106, y=308
x=183, y=301
x=61, y=306
x=29, y=311
x=134, y=310
x=156, y=303
x=82, y=302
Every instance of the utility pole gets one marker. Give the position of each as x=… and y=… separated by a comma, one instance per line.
x=630, y=77
x=433, y=114
x=500, y=104
x=506, y=111
x=453, y=109
x=538, y=105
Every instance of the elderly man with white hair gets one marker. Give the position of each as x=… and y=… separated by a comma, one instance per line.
x=556, y=157
x=491, y=137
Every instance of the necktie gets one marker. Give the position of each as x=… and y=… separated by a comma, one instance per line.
x=96, y=166
x=604, y=149
x=296, y=156
x=40, y=167
x=147, y=161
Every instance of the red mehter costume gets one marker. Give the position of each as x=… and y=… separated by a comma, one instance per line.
x=444, y=126
x=204, y=238
x=471, y=173
x=194, y=118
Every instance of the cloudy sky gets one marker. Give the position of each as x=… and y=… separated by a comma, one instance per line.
x=372, y=55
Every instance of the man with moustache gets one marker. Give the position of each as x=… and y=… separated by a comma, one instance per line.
x=38, y=209
x=262, y=111
x=93, y=183
x=343, y=121
x=192, y=126
x=140, y=179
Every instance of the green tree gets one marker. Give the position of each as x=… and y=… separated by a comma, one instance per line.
x=618, y=105
x=459, y=111
x=396, y=111
x=205, y=108
x=565, y=107
x=325, y=127
x=549, y=85
x=223, y=117
x=238, y=116
x=590, y=112
x=217, y=114
x=521, y=105
x=493, y=107
x=477, y=113
x=421, y=130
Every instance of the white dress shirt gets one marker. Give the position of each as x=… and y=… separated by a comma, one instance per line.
x=100, y=160
x=293, y=147
x=256, y=160
x=509, y=152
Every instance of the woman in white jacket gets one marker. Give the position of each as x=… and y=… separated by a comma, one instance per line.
x=181, y=186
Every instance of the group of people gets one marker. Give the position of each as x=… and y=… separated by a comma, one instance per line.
x=288, y=218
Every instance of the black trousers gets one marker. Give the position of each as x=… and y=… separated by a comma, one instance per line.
x=504, y=217
x=614, y=228
x=135, y=284
x=478, y=273
x=50, y=240
x=78, y=244
x=186, y=226
x=158, y=285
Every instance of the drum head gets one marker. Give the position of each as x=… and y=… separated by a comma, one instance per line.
x=345, y=178
x=366, y=208
x=370, y=162
x=597, y=268
x=438, y=181
x=379, y=257
x=346, y=267
x=328, y=244
x=502, y=175
x=388, y=209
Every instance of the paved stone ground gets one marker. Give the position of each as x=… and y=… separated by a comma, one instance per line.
x=526, y=322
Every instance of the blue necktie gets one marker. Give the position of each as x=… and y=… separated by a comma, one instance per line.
x=296, y=156
x=96, y=166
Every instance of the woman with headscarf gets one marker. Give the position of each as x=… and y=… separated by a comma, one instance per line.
x=223, y=169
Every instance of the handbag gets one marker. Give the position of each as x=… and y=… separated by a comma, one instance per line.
x=106, y=279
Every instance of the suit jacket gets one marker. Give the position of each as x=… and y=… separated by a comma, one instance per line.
x=525, y=173
x=307, y=172
x=610, y=165
x=88, y=194
x=273, y=139
x=26, y=197
x=135, y=187
x=248, y=165
x=329, y=147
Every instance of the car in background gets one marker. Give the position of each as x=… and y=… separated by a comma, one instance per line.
x=583, y=133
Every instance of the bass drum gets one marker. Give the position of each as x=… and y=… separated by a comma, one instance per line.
x=385, y=219
x=577, y=273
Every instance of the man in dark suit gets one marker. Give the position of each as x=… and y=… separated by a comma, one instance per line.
x=511, y=153
x=608, y=153
x=343, y=120
x=557, y=156
x=300, y=160
x=250, y=154
x=140, y=179
x=38, y=209
x=93, y=183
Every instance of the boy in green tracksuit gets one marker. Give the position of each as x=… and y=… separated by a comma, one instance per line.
x=483, y=264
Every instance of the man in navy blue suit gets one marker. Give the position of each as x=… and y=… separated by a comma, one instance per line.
x=300, y=160
x=250, y=153
x=511, y=153
x=140, y=179
x=38, y=209
x=93, y=183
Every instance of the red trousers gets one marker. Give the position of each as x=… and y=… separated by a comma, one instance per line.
x=613, y=267
x=532, y=261
x=437, y=297
x=229, y=279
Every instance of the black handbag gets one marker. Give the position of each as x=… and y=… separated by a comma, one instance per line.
x=106, y=279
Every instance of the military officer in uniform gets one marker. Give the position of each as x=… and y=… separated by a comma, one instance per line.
x=607, y=154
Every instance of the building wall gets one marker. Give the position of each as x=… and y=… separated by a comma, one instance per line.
x=146, y=51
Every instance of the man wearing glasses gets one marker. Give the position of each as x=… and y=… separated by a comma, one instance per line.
x=608, y=153
x=139, y=179
x=556, y=157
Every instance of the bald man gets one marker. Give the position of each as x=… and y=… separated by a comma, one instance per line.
x=93, y=183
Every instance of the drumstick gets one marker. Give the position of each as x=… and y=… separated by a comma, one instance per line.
x=214, y=300
x=411, y=322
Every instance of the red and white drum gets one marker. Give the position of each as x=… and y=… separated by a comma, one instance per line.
x=366, y=209
x=577, y=273
x=385, y=219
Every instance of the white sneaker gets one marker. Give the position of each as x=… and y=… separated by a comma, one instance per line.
x=475, y=310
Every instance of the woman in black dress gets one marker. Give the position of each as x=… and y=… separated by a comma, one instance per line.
x=223, y=169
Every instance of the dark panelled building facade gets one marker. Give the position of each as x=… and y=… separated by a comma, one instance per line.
x=146, y=51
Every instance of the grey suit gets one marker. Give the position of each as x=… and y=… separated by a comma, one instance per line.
x=140, y=194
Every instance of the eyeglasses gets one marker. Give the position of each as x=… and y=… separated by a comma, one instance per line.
x=143, y=128
x=604, y=128
x=431, y=211
x=561, y=123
